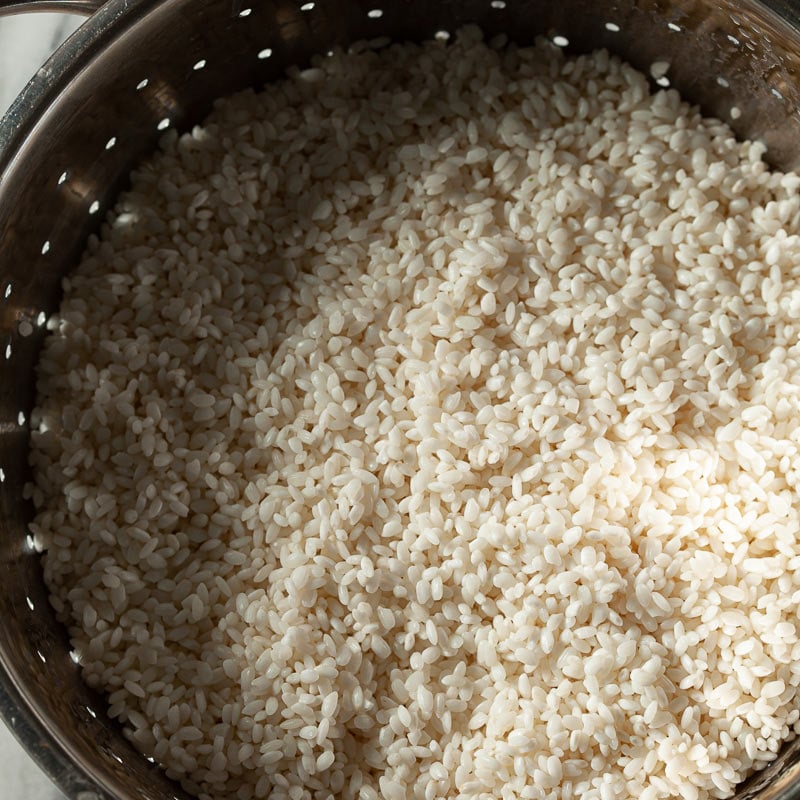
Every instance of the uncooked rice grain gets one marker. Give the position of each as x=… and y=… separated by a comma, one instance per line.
x=426, y=426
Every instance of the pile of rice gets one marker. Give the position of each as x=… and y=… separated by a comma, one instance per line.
x=426, y=426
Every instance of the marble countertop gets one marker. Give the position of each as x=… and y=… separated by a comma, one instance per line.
x=25, y=43
x=26, y=40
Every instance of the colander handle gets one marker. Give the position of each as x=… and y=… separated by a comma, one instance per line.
x=84, y=7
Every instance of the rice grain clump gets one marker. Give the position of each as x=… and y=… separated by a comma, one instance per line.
x=426, y=426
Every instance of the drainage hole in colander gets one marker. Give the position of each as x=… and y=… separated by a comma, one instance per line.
x=62, y=178
x=245, y=12
x=560, y=41
x=41, y=318
x=41, y=656
x=375, y=13
x=199, y=64
x=29, y=603
x=111, y=142
x=498, y=4
x=21, y=419
x=265, y=53
x=74, y=657
x=7, y=292
x=442, y=36
x=613, y=27
x=163, y=124
x=141, y=85
x=2, y=475
x=46, y=248
x=8, y=351
x=307, y=7
x=94, y=207
x=673, y=26
x=723, y=81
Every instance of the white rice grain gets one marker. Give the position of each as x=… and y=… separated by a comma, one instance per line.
x=425, y=426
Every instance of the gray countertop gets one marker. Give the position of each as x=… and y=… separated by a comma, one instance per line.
x=25, y=43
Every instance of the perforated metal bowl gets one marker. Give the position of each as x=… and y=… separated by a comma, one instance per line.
x=139, y=66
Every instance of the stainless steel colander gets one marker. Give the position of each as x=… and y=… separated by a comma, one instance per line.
x=137, y=67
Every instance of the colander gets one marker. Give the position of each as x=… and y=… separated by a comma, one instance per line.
x=138, y=67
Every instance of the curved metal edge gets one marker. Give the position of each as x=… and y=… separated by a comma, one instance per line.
x=44, y=749
x=17, y=124
x=788, y=10
x=86, y=7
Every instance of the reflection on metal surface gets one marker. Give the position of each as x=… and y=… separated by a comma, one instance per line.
x=60, y=6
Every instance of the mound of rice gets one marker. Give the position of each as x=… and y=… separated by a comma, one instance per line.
x=426, y=426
